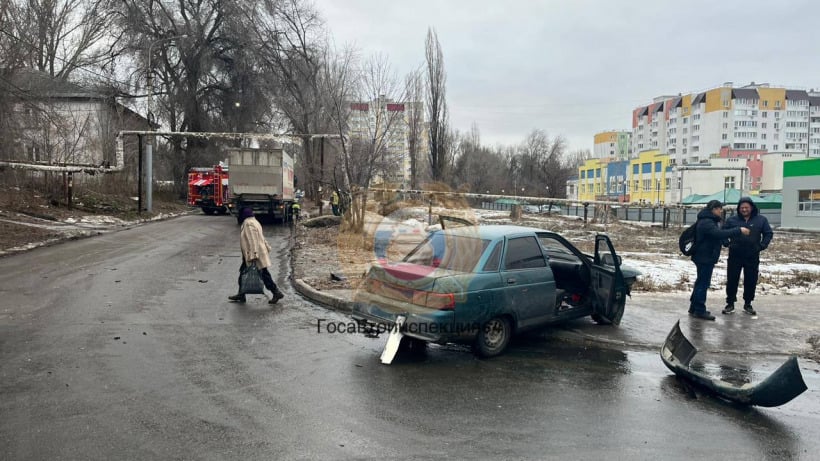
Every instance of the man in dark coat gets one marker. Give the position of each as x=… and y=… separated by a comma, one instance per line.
x=744, y=254
x=708, y=240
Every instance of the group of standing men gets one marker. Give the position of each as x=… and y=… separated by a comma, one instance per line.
x=747, y=233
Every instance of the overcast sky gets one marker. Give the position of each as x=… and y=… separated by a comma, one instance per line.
x=577, y=67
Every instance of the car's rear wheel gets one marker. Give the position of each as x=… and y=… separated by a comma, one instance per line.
x=493, y=337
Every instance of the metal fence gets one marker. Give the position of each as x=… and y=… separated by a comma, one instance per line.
x=665, y=216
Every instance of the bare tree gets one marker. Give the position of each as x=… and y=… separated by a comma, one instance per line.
x=415, y=126
x=337, y=82
x=437, y=117
x=477, y=168
x=373, y=130
x=201, y=69
x=61, y=36
x=290, y=39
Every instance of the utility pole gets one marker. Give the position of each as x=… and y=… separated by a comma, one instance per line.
x=149, y=148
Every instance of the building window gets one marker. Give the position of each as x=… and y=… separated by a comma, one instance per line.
x=647, y=185
x=808, y=202
x=728, y=182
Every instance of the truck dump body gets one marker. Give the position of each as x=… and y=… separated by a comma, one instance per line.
x=262, y=179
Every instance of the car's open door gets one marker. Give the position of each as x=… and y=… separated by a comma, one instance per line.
x=608, y=286
x=451, y=222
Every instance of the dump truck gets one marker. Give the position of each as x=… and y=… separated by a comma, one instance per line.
x=261, y=179
x=208, y=189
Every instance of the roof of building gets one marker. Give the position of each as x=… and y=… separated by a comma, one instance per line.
x=797, y=95
x=34, y=83
x=745, y=93
x=643, y=111
x=701, y=97
x=658, y=108
x=731, y=196
x=677, y=102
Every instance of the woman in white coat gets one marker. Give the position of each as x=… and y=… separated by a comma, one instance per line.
x=255, y=250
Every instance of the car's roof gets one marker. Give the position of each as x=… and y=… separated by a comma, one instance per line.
x=490, y=232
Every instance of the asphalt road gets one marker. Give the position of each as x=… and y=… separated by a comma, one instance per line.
x=123, y=346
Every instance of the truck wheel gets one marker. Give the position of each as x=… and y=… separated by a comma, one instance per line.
x=208, y=211
x=493, y=337
x=222, y=210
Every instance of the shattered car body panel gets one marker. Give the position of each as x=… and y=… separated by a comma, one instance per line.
x=780, y=387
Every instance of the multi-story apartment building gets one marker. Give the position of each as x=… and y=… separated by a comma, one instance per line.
x=613, y=144
x=389, y=124
x=692, y=127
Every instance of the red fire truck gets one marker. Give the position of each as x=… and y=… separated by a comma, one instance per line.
x=208, y=189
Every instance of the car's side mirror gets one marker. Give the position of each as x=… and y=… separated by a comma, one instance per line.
x=608, y=260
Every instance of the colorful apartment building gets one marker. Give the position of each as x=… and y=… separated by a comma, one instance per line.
x=613, y=144
x=692, y=127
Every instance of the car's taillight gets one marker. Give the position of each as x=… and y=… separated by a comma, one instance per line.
x=439, y=301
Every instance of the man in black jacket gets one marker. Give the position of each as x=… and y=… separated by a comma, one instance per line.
x=744, y=254
x=708, y=240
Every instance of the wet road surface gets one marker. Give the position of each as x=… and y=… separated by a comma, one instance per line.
x=124, y=346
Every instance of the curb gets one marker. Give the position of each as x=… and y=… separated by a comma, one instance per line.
x=329, y=300
x=91, y=232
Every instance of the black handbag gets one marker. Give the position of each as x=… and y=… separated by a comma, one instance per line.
x=250, y=281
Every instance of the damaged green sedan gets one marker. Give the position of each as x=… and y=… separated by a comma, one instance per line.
x=481, y=285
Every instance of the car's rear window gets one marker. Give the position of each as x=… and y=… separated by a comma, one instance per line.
x=458, y=253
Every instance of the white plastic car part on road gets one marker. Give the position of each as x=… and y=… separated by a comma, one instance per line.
x=393, y=342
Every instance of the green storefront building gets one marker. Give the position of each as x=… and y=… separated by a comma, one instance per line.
x=801, y=195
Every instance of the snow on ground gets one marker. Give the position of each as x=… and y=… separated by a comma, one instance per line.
x=675, y=272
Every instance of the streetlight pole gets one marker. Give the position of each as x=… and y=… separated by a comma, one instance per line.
x=149, y=149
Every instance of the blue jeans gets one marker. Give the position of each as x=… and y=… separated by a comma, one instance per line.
x=697, y=302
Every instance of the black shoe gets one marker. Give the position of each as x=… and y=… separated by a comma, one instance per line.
x=749, y=309
x=702, y=315
x=237, y=298
x=277, y=295
x=729, y=309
